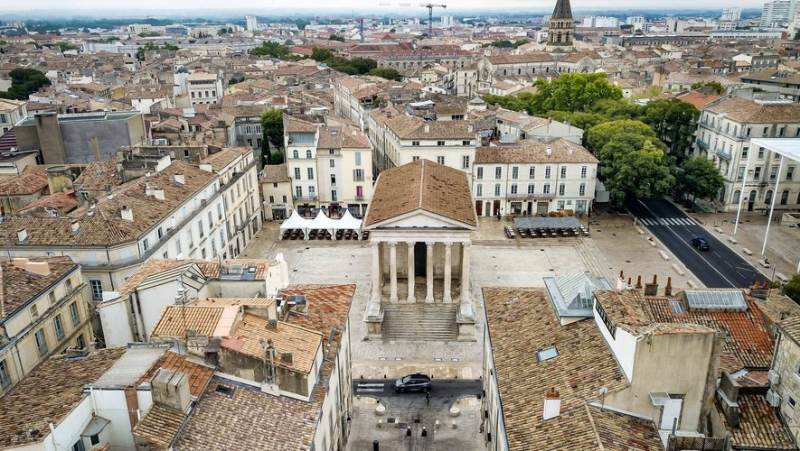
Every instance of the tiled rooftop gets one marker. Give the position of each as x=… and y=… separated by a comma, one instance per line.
x=160, y=426
x=199, y=375
x=22, y=184
x=423, y=185
x=18, y=286
x=220, y=160
x=276, y=173
x=178, y=319
x=748, y=111
x=535, y=151
x=759, y=427
x=49, y=393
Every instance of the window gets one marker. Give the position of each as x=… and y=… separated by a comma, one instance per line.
x=5, y=379
x=773, y=173
x=744, y=152
x=757, y=173
x=582, y=190
x=331, y=152
x=466, y=143
x=358, y=158
x=547, y=172
x=440, y=159
x=561, y=189
x=546, y=189
x=308, y=154
x=213, y=246
x=415, y=143
x=297, y=173
x=768, y=197
x=479, y=190
x=765, y=133
x=333, y=163
x=791, y=402
x=546, y=354
x=465, y=162
x=52, y=296
x=480, y=173
x=515, y=172
x=359, y=192
x=415, y=158
x=312, y=191
x=97, y=288
x=498, y=172
x=532, y=172
x=94, y=439
x=34, y=312
x=295, y=155
x=583, y=172
x=760, y=153
x=80, y=342
x=58, y=327
x=333, y=196
x=284, y=199
x=513, y=188
x=563, y=172
x=78, y=446
x=298, y=192
x=497, y=189
x=358, y=175
x=200, y=229
x=311, y=173
x=531, y=188
x=41, y=344
x=440, y=143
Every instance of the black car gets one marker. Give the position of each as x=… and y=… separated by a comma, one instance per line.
x=701, y=243
x=413, y=382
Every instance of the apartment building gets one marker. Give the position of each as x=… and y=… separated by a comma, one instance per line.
x=276, y=192
x=723, y=135
x=44, y=311
x=179, y=211
x=355, y=97
x=11, y=112
x=533, y=177
x=330, y=166
x=204, y=88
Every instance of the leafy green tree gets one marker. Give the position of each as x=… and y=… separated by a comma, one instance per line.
x=272, y=49
x=713, y=85
x=793, y=288
x=521, y=42
x=386, y=72
x=24, y=82
x=64, y=46
x=2, y=42
x=148, y=34
x=321, y=55
x=600, y=135
x=363, y=65
x=673, y=121
x=515, y=102
x=336, y=37
x=502, y=44
x=639, y=174
x=573, y=92
x=619, y=109
x=276, y=157
x=272, y=129
x=698, y=177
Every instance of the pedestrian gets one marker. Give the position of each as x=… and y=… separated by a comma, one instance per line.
x=428, y=398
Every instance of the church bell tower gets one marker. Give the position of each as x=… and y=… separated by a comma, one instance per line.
x=562, y=28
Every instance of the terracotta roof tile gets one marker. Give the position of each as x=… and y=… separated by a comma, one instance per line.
x=759, y=426
x=423, y=185
x=199, y=375
x=177, y=319
x=20, y=286
x=276, y=173
x=22, y=184
x=618, y=431
x=160, y=426
x=748, y=111
x=535, y=151
x=221, y=160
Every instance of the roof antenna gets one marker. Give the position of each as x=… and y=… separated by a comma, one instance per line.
x=603, y=391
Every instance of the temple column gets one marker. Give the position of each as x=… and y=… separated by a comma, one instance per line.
x=447, y=271
x=429, y=261
x=465, y=272
x=411, y=299
x=393, y=271
x=376, y=270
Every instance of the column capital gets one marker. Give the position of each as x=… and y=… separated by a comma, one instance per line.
x=466, y=244
x=430, y=243
x=392, y=244
x=447, y=244
x=374, y=244
x=411, y=243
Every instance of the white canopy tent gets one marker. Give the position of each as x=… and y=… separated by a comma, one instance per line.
x=348, y=222
x=295, y=221
x=322, y=222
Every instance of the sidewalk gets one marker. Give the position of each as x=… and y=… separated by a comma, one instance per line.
x=783, y=245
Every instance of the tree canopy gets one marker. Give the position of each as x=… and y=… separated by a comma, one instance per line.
x=272, y=49
x=573, y=92
x=354, y=66
x=793, y=288
x=24, y=82
x=673, y=121
x=150, y=46
x=638, y=173
x=336, y=37
x=699, y=177
x=148, y=34
x=386, y=72
x=713, y=85
x=600, y=135
x=272, y=130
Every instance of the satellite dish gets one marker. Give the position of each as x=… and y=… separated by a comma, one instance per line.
x=603, y=390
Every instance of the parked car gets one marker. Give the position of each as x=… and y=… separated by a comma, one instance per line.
x=413, y=382
x=701, y=243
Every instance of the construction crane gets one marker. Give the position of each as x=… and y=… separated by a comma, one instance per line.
x=430, y=7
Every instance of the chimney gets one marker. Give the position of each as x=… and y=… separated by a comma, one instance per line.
x=552, y=404
x=427, y=128
x=20, y=263
x=110, y=197
x=639, y=282
x=205, y=167
x=148, y=190
x=728, y=394
x=651, y=289
x=570, y=150
x=548, y=151
x=22, y=235
x=180, y=179
x=158, y=193
x=75, y=226
x=470, y=128
x=127, y=213
x=41, y=268
x=668, y=288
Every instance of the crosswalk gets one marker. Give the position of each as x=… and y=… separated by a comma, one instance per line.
x=668, y=222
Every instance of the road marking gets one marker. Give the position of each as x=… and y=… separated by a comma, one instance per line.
x=371, y=390
x=699, y=254
x=371, y=385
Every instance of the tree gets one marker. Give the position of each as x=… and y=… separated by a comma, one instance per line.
x=272, y=49
x=272, y=129
x=321, y=55
x=674, y=121
x=336, y=37
x=573, y=92
x=502, y=44
x=148, y=34
x=364, y=65
x=639, y=174
x=619, y=109
x=64, y=46
x=793, y=288
x=598, y=136
x=24, y=82
x=713, y=85
x=699, y=177
x=386, y=72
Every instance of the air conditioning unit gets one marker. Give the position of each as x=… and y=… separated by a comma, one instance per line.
x=773, y=398
x=774, y=377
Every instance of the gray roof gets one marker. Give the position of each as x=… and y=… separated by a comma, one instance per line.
x=572, y=294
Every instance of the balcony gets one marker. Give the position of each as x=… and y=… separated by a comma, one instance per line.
x=359, y=197
x=309, y=198
x=722, y=154
x=523, y=196
x=702, y=144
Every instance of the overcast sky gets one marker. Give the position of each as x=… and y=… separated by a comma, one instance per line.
x=266, y=5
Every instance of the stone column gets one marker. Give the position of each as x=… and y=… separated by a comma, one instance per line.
x=447, y=271
x=465, y=272
x=393, y=271
x=429, y=295
x=376, y=270
x=411, y=298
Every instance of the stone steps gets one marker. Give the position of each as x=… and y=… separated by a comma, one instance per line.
x=420, y=322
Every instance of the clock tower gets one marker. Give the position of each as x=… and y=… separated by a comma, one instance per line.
x=562, y=28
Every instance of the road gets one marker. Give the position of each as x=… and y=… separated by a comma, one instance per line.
x=719, y=267
x=440, y=388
